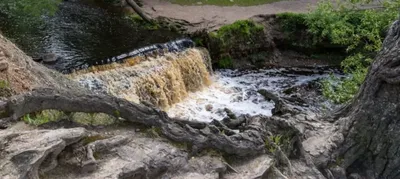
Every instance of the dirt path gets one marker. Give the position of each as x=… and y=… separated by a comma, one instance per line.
x=210, y=17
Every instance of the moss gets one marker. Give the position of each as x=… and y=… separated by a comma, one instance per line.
x=181, y=145
x=225, y=62
x=43, y=117
x=239, y=31
x=136, y=19
x=199, y=41
x=211, y=152
x=5, y=89
x=95, y=119
x=90, y=139
x=153, y=132
x=117, y=113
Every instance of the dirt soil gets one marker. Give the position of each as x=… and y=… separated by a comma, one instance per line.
x=212, y=17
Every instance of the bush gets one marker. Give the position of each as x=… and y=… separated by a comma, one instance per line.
x=292, y=22
x=225, y=62
x=361, y=32
x=234, y=41
x=239, y=31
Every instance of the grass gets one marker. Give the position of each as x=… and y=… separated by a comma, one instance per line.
x=46, y=116
x=223, y=2
x=5, y=89
x=43, y=117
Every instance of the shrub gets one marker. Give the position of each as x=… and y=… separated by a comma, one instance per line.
x=225, y=62
x=239, y=31
x=361, y=32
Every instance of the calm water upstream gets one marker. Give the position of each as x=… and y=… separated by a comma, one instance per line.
x=82, y=34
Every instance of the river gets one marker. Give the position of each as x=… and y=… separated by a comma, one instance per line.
x=81, y=34
x=85, y=35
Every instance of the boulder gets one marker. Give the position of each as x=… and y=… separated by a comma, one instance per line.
x=49, y=58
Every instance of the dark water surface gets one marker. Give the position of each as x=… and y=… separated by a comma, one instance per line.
x=81, y=34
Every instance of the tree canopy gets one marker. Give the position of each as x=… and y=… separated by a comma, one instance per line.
x=25, y=10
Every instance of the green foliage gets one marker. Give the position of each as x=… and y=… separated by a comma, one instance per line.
x=5, y=89
x=95, y=119
x=43, y=117
x=225, y=62
x=4, y=84
x=239, y=36
x=291, y=22
x=360, y=31
x=239, y=31
x=47, y=116
x=27, y=10
x=136, y=19
x=199, y=41
x=153, y=132
x=279, y=140
x=93, y=138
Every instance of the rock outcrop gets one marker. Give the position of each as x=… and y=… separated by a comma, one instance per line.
x=26, y=154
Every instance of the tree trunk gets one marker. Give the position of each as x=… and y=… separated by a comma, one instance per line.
x=138, y=10
x=198, y=135
x=371, y=129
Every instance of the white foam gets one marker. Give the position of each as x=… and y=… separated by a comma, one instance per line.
x=237, y=91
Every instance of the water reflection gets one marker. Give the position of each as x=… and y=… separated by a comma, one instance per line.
x=82, y=34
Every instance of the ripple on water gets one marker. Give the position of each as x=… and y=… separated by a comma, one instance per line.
x=237, y=91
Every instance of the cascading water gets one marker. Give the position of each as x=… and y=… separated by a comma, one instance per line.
x=238, y=92
x=175, y=82
x=162, y=81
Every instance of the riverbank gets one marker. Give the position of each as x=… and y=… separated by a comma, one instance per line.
x=212, y=17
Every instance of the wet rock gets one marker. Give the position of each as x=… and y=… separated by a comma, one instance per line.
x=3, y=66
x=222, y=127
x=268, y=95
x=290, y=90
x=209, y=107
x=235, y=123
x=49, y=58
x=230, y=114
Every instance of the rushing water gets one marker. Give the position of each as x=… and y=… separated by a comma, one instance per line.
x=83, y=34
x=237, y=91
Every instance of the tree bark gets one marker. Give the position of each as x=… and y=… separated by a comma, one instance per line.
x=199, y=135
x=138, y=10
x=371, y=123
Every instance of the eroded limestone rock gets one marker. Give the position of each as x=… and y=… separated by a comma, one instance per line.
x=26, y=154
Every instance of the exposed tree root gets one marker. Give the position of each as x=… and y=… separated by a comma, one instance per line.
x=249, y=142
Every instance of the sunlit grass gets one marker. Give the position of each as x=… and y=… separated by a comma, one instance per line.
x=223, y=2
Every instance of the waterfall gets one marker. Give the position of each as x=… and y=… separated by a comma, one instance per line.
x=161, y=80
x=137, y=55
